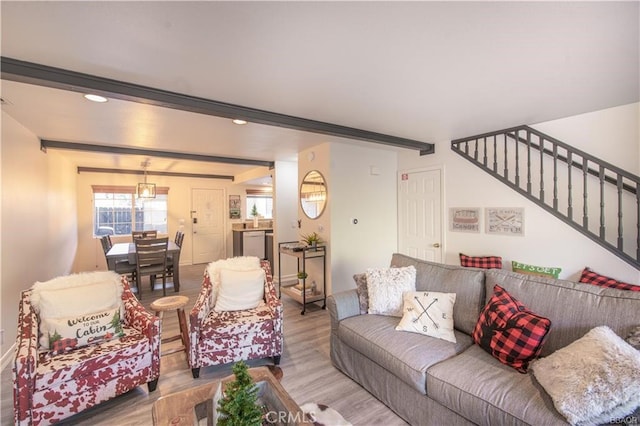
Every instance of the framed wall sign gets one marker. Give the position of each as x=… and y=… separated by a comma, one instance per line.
x=234, y=207
x=504, y=220
x=464, y=219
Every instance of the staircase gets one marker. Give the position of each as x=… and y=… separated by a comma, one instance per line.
x=594, y=197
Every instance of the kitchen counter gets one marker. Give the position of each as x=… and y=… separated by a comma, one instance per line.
x=253, y=229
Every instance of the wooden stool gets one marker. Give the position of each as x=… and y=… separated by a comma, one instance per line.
x=170, y=303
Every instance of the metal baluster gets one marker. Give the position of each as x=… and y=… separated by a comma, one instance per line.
x=555, y=176
x=569, y=186
x=620, y=226
x=517, y=159
x=528, y=161
x=541, y=140
x=585, y=208
x=485, y=151
x=601, y=177
x=506, y=161
x=495, y=155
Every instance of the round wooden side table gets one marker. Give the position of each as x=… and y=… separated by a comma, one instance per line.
x=176, y=303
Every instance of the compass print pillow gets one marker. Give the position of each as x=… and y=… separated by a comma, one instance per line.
x=429, y=313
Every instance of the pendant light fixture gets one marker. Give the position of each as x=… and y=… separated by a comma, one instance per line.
x=146, y=190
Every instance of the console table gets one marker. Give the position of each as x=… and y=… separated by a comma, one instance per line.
x=303, y=253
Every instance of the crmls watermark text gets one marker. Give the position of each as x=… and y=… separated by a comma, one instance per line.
x=627, y=420
x=286, y=417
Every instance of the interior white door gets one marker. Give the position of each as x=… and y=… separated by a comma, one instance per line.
x=207, y=217
x=420, y=214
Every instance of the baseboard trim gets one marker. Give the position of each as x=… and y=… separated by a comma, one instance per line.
x=7, y=357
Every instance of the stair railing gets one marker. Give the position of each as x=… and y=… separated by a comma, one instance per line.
x=565, y=181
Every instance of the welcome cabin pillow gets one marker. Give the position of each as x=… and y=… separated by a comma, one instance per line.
x=65, y=334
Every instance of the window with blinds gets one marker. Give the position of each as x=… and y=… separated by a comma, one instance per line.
x=117, y=210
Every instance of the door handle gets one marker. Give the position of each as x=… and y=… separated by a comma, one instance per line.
x=436, y=245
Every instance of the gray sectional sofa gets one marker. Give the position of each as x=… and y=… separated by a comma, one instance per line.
x=429, y=381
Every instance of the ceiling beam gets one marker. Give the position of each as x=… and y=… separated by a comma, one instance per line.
x=57, y=78
x=151, y=173
x=109, y=149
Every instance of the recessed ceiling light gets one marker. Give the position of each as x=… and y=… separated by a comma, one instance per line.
x=95, y=98
x=239, y=121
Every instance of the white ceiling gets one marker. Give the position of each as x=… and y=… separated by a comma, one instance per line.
x=430, y=71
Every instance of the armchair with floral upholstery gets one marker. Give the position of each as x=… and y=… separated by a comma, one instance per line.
x=223, y=336
x=81, y=370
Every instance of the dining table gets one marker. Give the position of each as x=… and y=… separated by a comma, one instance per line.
x=127, y=251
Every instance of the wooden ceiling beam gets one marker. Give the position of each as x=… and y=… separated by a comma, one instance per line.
x=58, y=78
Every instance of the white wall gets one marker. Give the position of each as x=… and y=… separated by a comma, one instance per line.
x=90, y=255
x=285, y=212
x=353, y=192
x=39, y=222
x=547, y=240
x=369, y=196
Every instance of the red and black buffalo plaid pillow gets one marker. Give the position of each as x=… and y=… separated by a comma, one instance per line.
x=484, y=262
x=590, y=277
x=509, y=331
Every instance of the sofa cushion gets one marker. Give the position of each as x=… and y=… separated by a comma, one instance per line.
x=580, y=307
x=589, y=276
x=509, y=331
x=468, y=284
x=406, y=355
x=429, y=313
x=485, y=391
x=385, y=287
x=594, y=379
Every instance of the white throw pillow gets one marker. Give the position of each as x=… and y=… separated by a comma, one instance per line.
x=386, y=286
x=592, y=380
x=74, y=295
x=240, y=263
x=429, y=313
x=240, y=290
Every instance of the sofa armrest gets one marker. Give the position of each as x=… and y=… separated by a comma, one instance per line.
x=136, y=316
x=342, y=305
x=25, y=360
x=203, y=305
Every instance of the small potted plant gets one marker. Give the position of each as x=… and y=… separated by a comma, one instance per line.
x=239, y=405
x=302, y=275
x=255, y=215
x=312, y=239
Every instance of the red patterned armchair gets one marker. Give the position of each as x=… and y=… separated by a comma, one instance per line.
x=220, y=337
x=50, y=386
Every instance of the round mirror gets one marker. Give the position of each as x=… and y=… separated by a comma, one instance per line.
x=313, y=194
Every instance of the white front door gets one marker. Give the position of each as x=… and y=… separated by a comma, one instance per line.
x=420, y=214
x=207, y=217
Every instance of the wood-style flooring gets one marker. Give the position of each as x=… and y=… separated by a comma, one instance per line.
x=308, y=373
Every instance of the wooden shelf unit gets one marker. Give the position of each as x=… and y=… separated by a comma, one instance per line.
x=305, y=253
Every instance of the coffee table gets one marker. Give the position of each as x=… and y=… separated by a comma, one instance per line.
x=193, y=405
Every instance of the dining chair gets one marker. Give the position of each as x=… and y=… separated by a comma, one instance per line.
x=153, y=233
x=136, y=235
x=122, y=267
x=179, y=238
x=151, y=259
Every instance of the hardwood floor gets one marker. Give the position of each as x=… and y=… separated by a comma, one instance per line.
x=308, y=373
